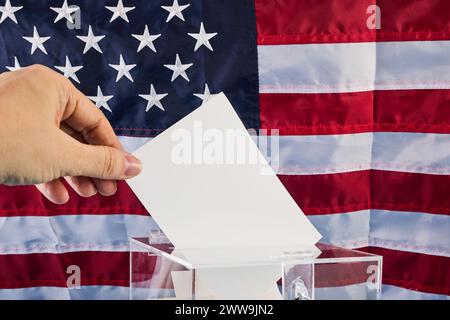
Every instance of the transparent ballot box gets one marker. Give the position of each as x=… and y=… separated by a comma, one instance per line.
x=160, y=271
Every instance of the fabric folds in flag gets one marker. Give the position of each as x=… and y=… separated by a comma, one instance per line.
x=359, y=91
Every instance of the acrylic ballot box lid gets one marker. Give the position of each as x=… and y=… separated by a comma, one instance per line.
x=241, y=256
x=159, y=270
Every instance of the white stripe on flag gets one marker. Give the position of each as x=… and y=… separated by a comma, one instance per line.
x=323, y=154
x=131, y=144
x=350, y=67
x=82, y=293
x=69, y=233
x=397, y=293
x=408, y=231
x=349, y=292
x=300, y=155
x=122, y=293
x=348, y=230
x=397, y=230
x=393, y=151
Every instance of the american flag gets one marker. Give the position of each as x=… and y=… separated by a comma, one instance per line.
x=358, y=89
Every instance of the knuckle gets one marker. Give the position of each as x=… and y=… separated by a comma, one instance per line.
x=91, y=132
x=39, y=76
x=109, y=162
x=38, y=69
x=35, y=76
x=65, y=86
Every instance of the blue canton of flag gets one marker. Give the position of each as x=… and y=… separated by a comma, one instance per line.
x=145, y=64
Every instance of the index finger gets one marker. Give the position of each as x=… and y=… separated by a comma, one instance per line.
x=84, y=117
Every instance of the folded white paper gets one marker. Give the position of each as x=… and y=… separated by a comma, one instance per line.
x=201, y=204
x=207, y=186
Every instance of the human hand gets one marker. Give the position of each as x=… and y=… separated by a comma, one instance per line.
x=51, y=130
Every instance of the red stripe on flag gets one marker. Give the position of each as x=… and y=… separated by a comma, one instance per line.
x=340, y=274
x=112, y=269
x=414, y=271
x=339, y=192
x=369, y=189
x=329, y=193
x=50, y=269
x=311, y=21
x=27, y=201
x=425, y=111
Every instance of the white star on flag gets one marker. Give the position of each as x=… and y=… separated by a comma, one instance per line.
x=64, y=12
x=69, y=71
x=146, y=39
x=8, y=11
x=175, y=10
x=205, y=95
x=153, y=99
x=123, y=69
x=119, y=11
x=203, y=38
x=91, y=41
x=178, y=69
x=37, y=42
x=100, y=100
x=16, y=65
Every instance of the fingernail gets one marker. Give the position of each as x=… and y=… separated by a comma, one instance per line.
x=133, y=166
x=106, y=187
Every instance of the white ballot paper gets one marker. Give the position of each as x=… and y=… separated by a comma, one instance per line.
x=207, y=185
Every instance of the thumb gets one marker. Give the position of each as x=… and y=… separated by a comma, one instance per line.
x=100, y=162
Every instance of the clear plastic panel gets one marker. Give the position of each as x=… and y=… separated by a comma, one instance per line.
x=152, y=276
x=158, y=271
